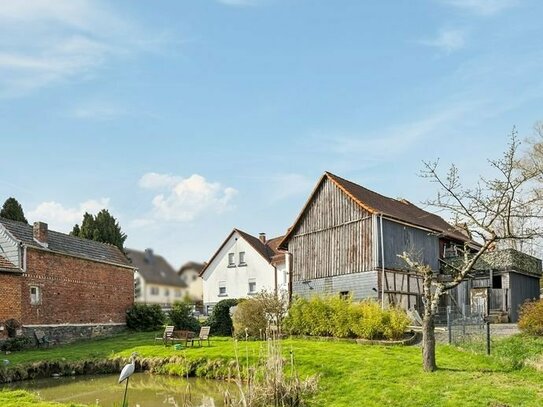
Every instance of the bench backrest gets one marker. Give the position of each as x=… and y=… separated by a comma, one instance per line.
x=40, y=336
x=168, y=331
x=204, y=332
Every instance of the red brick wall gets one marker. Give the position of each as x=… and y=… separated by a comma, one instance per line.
x=10, y=298
x=75, y=290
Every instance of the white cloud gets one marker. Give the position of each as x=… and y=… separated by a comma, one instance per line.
x=186, y=198
x=62, y=218
x=43, y=42
x=482, y=7
x=447, y=40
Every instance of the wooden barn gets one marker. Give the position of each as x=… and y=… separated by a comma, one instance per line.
x=346, y=241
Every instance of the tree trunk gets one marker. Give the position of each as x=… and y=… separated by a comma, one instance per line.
x=428, y=343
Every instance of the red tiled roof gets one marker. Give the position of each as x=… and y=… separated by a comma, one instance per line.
x=400, y=210
x=5, y=264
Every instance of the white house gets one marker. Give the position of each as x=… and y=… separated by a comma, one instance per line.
x=242, y=266
x=155, y=280
x=190, y=274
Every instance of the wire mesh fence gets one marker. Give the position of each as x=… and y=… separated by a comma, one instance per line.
x=467, y=324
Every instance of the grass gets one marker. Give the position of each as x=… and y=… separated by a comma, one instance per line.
x=350, y=374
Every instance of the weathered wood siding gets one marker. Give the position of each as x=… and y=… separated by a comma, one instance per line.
x=399, y=238
x=521, y=289
x=333, y=237
x=9, y=248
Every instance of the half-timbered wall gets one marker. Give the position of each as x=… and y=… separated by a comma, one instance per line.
x=333, y=237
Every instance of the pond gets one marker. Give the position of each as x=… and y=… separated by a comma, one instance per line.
x=144, y=390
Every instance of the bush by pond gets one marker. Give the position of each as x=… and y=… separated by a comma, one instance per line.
x=220, y=320
x=254, y=315
x=181, y=317
x=143, y=317
x=343, y=318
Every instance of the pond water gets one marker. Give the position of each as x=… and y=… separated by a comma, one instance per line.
x=144, y=390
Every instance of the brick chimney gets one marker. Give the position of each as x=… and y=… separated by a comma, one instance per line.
x=262, y=237
x=41, y=232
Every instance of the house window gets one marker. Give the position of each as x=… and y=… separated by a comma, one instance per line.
x=496, y=281
x=242, y=259
x=167, y=292
x=35, y=295
x=231, y=262
x=222, y=289
x=177, y=293
x=154, y=290
x=252, y=286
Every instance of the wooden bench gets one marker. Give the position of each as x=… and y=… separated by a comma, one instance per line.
x=183, y=336
x=41, y=338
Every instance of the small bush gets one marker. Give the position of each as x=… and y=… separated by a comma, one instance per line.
x=343, y=318
x=143, y=317
x=15, y=344
x=220, y=320
x=531, y=318
x=257, y=313
x=181, y=317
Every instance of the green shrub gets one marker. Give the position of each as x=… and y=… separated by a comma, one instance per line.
x=254, y=315
x=181, y=317
x=15, y=344
x=531, y=318
x=220, y=320
x=143, y=317
x=343, y=318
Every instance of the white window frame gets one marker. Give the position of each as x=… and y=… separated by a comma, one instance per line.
x=252, y=283
x=178, y=293
x=154, y=291
x=35, y=298
x=222, y=289
x=241, y=259
x=231, y=259
x=166, y=292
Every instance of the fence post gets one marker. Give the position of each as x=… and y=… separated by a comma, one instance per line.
x=488, y=338
x=449, y=324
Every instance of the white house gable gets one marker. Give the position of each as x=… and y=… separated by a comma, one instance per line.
x=237, y=270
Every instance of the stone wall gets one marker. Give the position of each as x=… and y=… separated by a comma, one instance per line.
x=61, y=334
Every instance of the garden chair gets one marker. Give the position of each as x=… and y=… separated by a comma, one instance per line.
x=41, y=338
x=203, y=336
x=167, y=335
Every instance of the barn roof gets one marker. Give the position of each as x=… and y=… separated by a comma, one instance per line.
x=67, y=244
x=395, y=209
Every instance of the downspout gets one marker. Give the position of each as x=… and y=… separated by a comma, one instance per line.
x=383, y=276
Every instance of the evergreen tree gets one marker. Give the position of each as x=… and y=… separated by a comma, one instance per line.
x=102, y=228
x=13, y=210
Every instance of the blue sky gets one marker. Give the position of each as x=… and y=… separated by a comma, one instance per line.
x=188, y=118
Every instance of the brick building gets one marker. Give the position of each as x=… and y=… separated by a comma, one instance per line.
x=66, y=286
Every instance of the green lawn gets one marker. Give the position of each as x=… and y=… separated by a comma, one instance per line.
x=350, y=374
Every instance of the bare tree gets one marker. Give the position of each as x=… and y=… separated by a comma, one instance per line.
x=492, y=210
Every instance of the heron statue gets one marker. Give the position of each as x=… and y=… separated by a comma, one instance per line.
x=128, y=370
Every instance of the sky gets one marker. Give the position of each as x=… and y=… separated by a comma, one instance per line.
x=186, y=118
